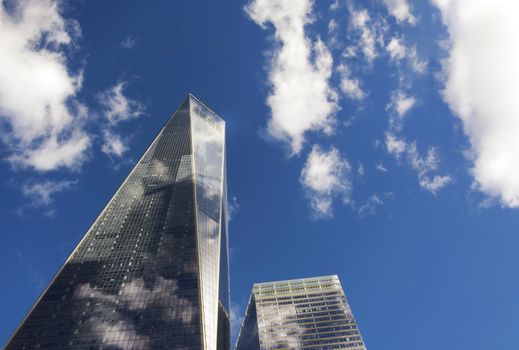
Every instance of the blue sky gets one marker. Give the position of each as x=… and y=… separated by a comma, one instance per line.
x=376, y=140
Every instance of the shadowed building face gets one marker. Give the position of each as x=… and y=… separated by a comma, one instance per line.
x=152, y=271
x=310, y=313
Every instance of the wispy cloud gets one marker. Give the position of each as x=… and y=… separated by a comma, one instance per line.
x=41, y=193
x=400, y=104
x=481, y=87
x=400, y=10
x=129, y=43
x=398, y=51
x=381, y=167
x=233, y=207
x=373, y=203
x=300, y=98
x=38, y=92
x=350, y=86
x=402, y=101
x=360, y=170
x=395, y=145
x=113, y=144
x=326, y=175
x=117, y=107
x=425, y=166
x=417, y=63
x=371, y=32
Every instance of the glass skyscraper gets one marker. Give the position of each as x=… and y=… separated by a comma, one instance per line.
x=310, y=313
x=152, y=271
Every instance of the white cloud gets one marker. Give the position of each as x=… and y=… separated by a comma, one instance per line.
x=418, y=64
x=333, y=31
x=395, y=145
x=350, y=51
x=41, y=193
x=361, y=21
x=117, y=106
x=482, y=89
x=373, y=202
x=325, y=175
x=334, y=5
x=350, y=87
x=332, y=25
x=360, y=170
x=128, y=43
x=396, y=49
x=366, y=36
x=400, y=10
x=381, y=167
x=398, y=107
x=400, y=103
x=435, y=183
x=425, y=166
x=233, y=207
x=37, y=91
x=301, y=98
x=113, y=144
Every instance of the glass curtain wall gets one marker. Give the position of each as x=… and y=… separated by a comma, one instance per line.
x=310, y=313
x=152, y=270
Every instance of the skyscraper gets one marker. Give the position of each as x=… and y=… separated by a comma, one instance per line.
x=310, y=313
x=152, y=270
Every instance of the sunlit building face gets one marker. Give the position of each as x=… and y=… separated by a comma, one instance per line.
x=152, y=270
x=310, y=313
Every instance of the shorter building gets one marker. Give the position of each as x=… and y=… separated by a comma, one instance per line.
x=309, y=313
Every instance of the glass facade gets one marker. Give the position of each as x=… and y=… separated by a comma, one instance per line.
x=310, y=313
x=152, y=271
